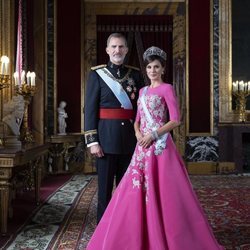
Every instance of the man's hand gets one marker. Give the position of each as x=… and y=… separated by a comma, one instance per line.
x=96, y=151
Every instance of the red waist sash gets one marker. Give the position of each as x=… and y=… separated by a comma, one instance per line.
x=116, y=114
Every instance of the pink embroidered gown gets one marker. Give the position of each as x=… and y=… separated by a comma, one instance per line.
x=154, y=207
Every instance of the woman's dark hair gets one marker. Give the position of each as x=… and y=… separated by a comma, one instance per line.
x=151, y=58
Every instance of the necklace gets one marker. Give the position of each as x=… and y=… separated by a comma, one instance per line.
x=115, y=79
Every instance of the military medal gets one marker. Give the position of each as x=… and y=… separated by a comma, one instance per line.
x=129, y=88
x=118, y=73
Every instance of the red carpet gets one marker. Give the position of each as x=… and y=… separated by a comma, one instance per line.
x=24, y=205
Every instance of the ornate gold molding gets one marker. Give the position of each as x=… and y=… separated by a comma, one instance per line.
x=6, y=162
x=7, y=39
x=226, y=114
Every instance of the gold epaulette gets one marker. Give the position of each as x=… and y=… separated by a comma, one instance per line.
x=99, y=66
x=131, y=67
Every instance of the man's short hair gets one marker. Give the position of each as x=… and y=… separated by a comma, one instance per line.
x=117, y=35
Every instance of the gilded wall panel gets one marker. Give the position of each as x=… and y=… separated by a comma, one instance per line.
x=7, y=40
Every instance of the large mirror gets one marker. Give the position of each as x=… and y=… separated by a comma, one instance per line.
x=234, y=53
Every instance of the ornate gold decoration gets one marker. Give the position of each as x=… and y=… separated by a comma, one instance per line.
x=4, y=83
x=27, y=91
x=226, y=114
x=241, y=90
x=28, y=156
x=61, y=149
x=125, y=78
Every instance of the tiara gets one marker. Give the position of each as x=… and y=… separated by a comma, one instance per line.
x=155, y=51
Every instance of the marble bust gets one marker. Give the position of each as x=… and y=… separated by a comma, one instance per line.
x=13, y=112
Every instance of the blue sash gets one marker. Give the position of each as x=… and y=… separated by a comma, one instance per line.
x=116, y=88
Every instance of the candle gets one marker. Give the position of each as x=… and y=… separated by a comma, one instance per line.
x=248, y=86
x=23, y=77
x=245, y=86
x=4, y=65
x=28, y=76
x=16, y=78
x=241, y=85
x=235, y=86
x=32, y=77
x=7, y=60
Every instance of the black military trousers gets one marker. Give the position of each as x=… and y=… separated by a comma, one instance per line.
x=110, y=168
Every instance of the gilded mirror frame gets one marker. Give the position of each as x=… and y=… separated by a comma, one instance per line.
x=226, y=113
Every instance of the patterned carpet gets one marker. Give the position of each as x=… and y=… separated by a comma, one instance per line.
x=46, y=225
x=226, y=200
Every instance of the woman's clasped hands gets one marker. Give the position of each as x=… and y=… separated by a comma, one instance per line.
x=144, y=141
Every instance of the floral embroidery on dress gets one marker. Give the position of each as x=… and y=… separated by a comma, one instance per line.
x=138, y=168
x=157, y=108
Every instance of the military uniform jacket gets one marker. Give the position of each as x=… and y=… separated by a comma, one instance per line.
x=116, y=136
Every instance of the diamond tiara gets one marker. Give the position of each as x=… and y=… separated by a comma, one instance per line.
x=155, y=51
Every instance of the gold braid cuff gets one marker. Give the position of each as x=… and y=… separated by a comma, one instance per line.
x=91, y=136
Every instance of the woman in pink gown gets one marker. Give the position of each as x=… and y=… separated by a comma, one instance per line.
x=154, y=207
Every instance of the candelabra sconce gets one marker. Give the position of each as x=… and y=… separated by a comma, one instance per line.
x=241, y=90
x=27, y=92
x=4, y=81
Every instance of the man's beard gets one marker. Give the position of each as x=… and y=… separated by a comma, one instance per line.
x=118, y=59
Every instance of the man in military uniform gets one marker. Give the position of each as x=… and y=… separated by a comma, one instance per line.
x=110, y=109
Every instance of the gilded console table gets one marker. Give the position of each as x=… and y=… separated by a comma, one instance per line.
x=11, y=159
x=59, y=152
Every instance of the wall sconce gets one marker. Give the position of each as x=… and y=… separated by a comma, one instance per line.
x=25, y=86
x=241, y=90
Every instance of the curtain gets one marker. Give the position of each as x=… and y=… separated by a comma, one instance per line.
x=142, y=31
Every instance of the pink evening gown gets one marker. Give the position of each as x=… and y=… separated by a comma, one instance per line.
x=155, y=207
